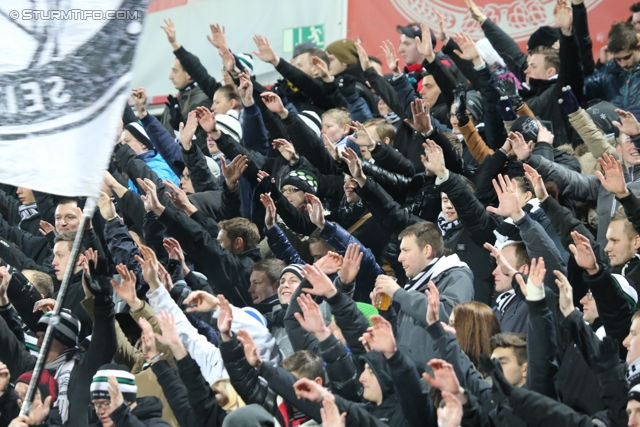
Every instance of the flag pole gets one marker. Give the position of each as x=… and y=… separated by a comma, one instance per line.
x=87, y=214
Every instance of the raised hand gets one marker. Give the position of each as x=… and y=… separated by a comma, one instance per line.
x=420, y=110
x=444, y=377
x=170, y=31
x=509, y=204
x=613, y=178
x=442, y=28
x=225, y=318
x=311, y=318
x=363, y=57
x=329, y=264
x=322, y=68
x=201, y=301
x=5, y=279
x=433, y=305
x=127, y=288
x=583, y=253
x=565, y=293
x=179, y=198
x=331, y=148
x=364, y=138
x=173, y=248
x=4, y=377
x=286, y=149
x=316, y=210
x=150, y=199
x=627, y=124
x=355, y=166
x=379, y=337
x=350, y=264
x=537, y=273
x=563, y=16
x=148, y=340
x=322, y=285
x=139, y=96
x=544, y=134
x=228, y=60
x=270, y=211
x=246, y=89
x=468, y=48
x=187, y=131
x=117, y=398
x=424, y=45
x=310, y=390
x=391, y=57
x=506, y=268
x=206, y=119
x=45, y=304
x=46, y=228
x=218, y=35
x=386, y=285
x=169, y=335
x=476, y=12
x=250, y=349
x=451, y=414
x=536, y=181
x=274, y=104
x=521, y=148
x=39, y=410
x=106, y=206
x=234, y=170
x=330, y=413
x=433, y=159
x=165, y=278
x=265, y=52
x=149, y=263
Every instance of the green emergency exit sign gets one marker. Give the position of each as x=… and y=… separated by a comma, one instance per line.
x=293, y=36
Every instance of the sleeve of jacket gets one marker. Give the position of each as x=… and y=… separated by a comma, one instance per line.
x=295, y=220
x=47, y=204
x=357, y=415
x=307, y=144
x=132, y=208
x=452, y=159
x=414, y=399
x=591, y=135
x=580, y=334
x=207, y=254
x=16, y=258
x=12, y=208
x=472, y=214
x=13, y=321
x=474, y=413
x=444, y=79
x=202, y=351
x=163, y=141
x=341, y=371
x=539, y=410
x=594, y=84
x=581, y=28
x=37, y=248
x=201, y=177
x=281, y=381
x=385, y=208
x=465, y=66
x=122, y=248
x=23, y=296
x=570, y=72
x=176, y=393
x=388, y=94
x=231, y=204
x=631, y=205
x=340, y=239
x=201, y=399
x=244, y=378
x=325, y=95
x=281, y=247
x=477, y=147
x=446, y=347
x=486, y=172
x=572, y=184
x=196, y=70
x=231, y=149
x=392, y=160
x=13, y=353
x=613, y=392
x=508, y=49
x=123, y=416
x=392, y=183
x=493, y=125
x=254, y=133
x=350, y=320
x=614, y=309
x=542, y=364
x=539, y=244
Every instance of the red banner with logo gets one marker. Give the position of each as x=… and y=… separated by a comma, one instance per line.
x=372, y=21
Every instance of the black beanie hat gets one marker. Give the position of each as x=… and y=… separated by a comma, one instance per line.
x=138, y=132
x=543, y=36
x=527, y=126
x=474, y=105
x=302, y=180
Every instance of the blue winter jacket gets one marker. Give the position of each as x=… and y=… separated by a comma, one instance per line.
x=612, y=83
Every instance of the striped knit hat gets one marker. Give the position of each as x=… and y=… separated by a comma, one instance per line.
x=67, y=330
x=31, y=343
x=138, y=132
x=229, y=124
x=126, y=382
x=294, y=269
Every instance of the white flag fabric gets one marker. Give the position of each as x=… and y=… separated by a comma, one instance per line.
x=64, y=76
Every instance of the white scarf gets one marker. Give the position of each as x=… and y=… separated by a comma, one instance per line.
x=63, y=365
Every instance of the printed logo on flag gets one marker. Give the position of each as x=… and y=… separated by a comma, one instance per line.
x=58, y=73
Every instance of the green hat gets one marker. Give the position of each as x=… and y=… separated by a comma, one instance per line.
x=367, y=309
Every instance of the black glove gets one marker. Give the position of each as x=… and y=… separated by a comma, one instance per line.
x=607, y=357
x=98, y=281
x=492, y=367
x=461, y=110
x=347, y=85
x=268, y=185
x=508, y=87
x=175, y=111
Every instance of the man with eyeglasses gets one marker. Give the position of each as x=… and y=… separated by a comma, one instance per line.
x=619, y=80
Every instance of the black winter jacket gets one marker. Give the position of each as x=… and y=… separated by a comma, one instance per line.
x=147, y=413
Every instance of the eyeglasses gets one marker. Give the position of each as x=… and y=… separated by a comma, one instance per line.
x=101, y=405
x=589, y=296
x=290, y=190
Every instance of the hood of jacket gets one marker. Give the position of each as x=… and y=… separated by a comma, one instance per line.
x=378, y=365
x=148, y=407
